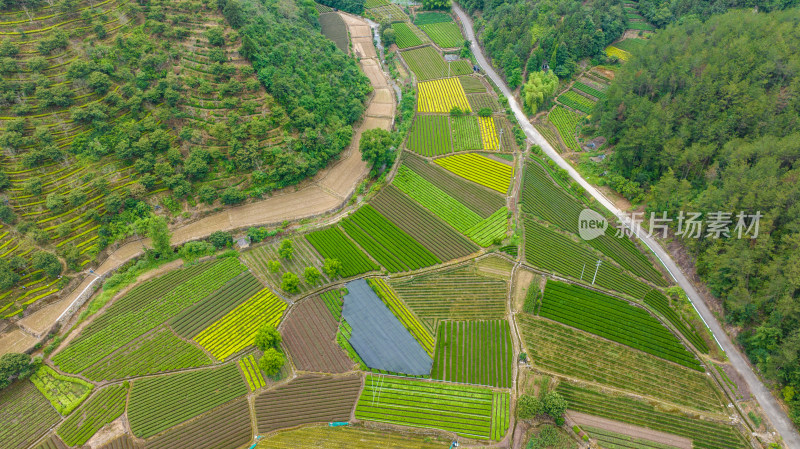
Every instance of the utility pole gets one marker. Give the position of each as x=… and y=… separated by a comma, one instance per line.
x=582, y=270
x=596, y=269
x=500, y=145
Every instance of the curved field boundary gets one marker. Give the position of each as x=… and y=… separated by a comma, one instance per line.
x=155, y=352
x=480, y=170
x=103, y=408
x=422, y=225
x=305, y=400
x=236, y=330
x=25, y=415
x=404, y=314
x=594, y=359
x=309, y=333
x=613, y=319
x=158, y=403
x=226, y=426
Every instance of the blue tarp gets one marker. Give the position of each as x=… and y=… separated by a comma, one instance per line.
x=378, y=336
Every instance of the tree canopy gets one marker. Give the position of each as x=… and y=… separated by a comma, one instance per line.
x=376, y=147
x=540, y=87
x=707, y=119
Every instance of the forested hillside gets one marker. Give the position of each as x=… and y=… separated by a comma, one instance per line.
x=520, y=35
x=661, y=13
x=708, y=119
x=110, y=110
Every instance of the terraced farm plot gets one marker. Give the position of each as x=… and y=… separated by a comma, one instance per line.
x=441, y=96
x=143, y=308
x=236, y=330
x=375, y=3
x=429, y=17
x=158, y=403
x=422, y=225
x=480, y=170
x=613, y=319
x=434, y=199
x=155, y=352
x=309, y=333
x=333, y=28
x=454, y=294
x=377, y=335
x=252, y=374
x=104, y=407
x=566, y=122
x=491, y=229
x=508, y=143
x=307, y=399
x=64, y=392
x=332, y=243
x=553, y=251
x=428, y=64
x=482, y=201
x=408, y=35
x=482, y=100
x=704, y=434
x=589, y=90
x=474, y=352
x=631, y=45
x=25, y=415
x=640, y=26
x=404, y=314
x=543, y=198
x=467, y=411
x=387, y=243
x=53, y=442
x=444, y=34
x=191, y=321
x=661, y=304
x=489, y=137
x=227, y=426
x=614, y=52
x=388, y=12
x=576, y=101
x=465, y=132
x=613, y=440
x=333, y=302
x=472, y=85
x=122, y=442
x=597, y=360
x=351, y=437
x=303, y=256
x=429, y=135
x=548, y=132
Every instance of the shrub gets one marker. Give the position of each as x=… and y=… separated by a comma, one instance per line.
x=207, y=194
x=528, y=407
x=232, y=195
x=192, y=251
x=311, y=275
x=271, y=362
x=290, y=282
x=221, y=239
x=267, y=337
x=286, y=250
x=274, y=266
x=332, y=267
x=47, y=262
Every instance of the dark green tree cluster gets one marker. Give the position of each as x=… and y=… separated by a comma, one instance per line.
x=706, y=120
x=320, y=88
x=521, y=35
x=551, y=404
x=661, y=13
x=16, y=366
x=268, y=340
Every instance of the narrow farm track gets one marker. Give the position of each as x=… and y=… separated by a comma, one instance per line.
x=772, y=409
x=327, y=192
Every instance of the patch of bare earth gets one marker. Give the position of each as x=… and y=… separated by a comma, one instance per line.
x=522, y=282
x=107, y=433
x=16, y=341
x=630, y=430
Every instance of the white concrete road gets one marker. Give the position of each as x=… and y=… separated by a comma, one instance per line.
x=774, y=412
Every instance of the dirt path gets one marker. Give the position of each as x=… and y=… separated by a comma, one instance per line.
x=630, y=430
x=328, y=191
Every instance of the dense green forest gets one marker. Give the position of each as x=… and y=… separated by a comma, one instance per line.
x=320, y=87
x=520, y=35
x=351, y=6
x=708, y=119
x=661, y=13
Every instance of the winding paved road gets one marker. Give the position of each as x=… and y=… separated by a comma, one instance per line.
x=773, y=411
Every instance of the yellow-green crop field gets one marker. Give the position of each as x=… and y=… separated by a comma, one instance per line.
x=441, y=96
x=479, y=169
x=236, y=330
x=488, y=133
